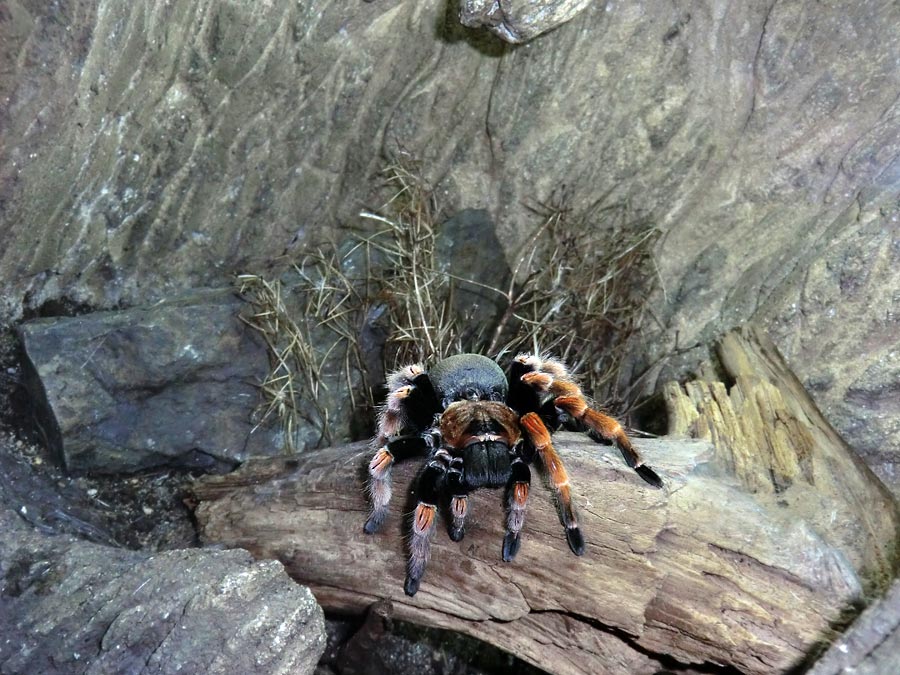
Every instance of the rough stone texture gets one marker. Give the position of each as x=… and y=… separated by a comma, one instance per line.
x=67, y=606
x=518, y=21
x=761, y=137
x=871, y=646
x=172, y=384
x=842, y=332
x=381, y=644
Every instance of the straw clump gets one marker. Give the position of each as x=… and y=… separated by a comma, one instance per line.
x=344, y=316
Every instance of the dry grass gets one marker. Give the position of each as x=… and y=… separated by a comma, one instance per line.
x=295, y=377
x=581, y=291
x=577, y=290
x=409, y=283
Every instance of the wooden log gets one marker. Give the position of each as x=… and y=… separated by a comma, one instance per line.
x=768, y=537
x=769, y=434
x=700, y=572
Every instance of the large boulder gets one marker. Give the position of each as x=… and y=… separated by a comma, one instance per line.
x=173, y=384
x=68, y=606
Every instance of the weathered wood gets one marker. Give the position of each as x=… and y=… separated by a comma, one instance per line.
x=701, y=572
x=769, y=434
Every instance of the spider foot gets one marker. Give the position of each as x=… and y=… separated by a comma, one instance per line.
x=649, y=475
x=372, y=525
x=575, y=539
x=411, y=585
x=458, y=509
x=456, y=533
x=511, y=543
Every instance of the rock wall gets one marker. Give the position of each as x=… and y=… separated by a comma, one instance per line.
x=153, y=146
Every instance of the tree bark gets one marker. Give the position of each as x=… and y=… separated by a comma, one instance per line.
x=713, y=570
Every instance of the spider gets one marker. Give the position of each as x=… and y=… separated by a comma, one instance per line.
x=479, y=427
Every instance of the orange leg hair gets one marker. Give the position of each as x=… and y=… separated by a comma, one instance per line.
x=609, y=429
x=537, y=432
x=389, y=445
x=552, y=377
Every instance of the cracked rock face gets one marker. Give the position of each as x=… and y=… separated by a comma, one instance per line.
x=154, y=146
x=173, y=384
x=68, y=606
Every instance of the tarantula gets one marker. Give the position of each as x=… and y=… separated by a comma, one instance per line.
x=480, y=427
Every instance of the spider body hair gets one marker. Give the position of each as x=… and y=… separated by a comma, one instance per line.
x=480, y=427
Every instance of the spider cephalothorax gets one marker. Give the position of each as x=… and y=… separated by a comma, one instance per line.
x=479, y=427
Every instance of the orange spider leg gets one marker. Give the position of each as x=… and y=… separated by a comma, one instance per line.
x=559, y=479
x=609, y=429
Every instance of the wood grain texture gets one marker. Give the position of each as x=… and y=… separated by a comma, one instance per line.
x=769, y=434
x=700, y=572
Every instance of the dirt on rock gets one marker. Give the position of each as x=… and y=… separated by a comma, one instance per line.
x=141, y=511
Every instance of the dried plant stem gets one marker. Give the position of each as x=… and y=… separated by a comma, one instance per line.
x=296, y=364
x=577, y=289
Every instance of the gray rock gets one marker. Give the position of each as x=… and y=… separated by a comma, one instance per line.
x=871, y=645
x=68, y=606
x=467, y=247
x=172, y=384
x=518, y=21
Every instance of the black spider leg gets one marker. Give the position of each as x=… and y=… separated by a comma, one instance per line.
x=396, y=450
x=458, y=491
x=429, y=487
x=422, y=404
x=414, y=412
x=516, y=497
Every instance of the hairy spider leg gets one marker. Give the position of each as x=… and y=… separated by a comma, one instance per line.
x=608, y=429
x=459, y=499
x=551, y=377
x=410, y=407
x=516, y=497
x=396, y=450
x=428, y=490
x=559, y=479
x=524, y=397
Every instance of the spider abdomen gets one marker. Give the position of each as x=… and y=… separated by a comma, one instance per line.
x=486, y=464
